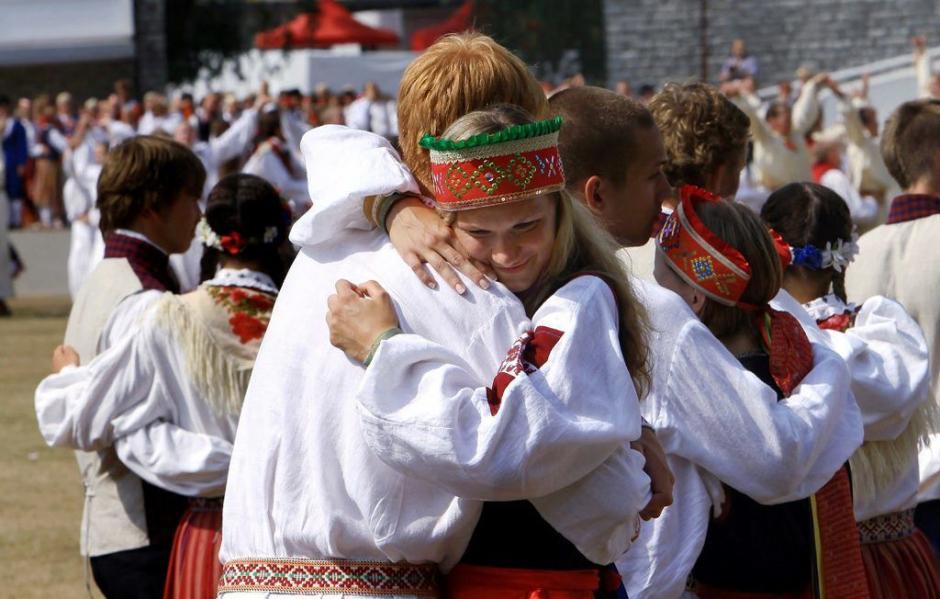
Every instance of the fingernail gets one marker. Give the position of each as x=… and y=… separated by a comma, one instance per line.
x=484, y=283
x=432, y=285
x=461, y=289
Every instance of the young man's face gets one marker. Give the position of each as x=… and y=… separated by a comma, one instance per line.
x=780, y=122
x=177, y=224
x=633, y=207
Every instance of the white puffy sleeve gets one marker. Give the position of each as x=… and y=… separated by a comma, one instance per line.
x=235, y=140
x=731, y=424
x=660, y=561
x=87, y=407
x=863, y=209
x=344, y=167
x=888, y=358
x=122, y=398
x=184, y=462
x=922, y=72
x=806, y=109
x=750, y=105
x=561, y=404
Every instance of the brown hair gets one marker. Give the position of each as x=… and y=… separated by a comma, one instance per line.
x=145, y=173
x=810, y=214
x=460, y=73
x=599, y=132
x=738, y=226
x=701, y=130
x=911, y=141
x=581, y=246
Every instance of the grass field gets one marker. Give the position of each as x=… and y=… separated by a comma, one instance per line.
x=40, y=489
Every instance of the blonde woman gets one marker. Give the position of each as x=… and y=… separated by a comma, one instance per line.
x=498, y=182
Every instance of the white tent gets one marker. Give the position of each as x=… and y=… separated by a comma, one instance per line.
x=305, y=69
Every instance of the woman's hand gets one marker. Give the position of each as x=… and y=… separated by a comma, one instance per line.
x=62, y=356
x=420, y=236
x=357, y=315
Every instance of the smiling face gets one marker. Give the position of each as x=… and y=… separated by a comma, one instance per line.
x=516, y=239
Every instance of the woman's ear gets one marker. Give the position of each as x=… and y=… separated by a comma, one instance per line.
x=697, y=301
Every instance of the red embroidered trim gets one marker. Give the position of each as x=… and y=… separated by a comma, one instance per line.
x=329, y=576
x=788, y=347
x=699, y=256
x=529, y=353
x=496, y=179
x=840, y=551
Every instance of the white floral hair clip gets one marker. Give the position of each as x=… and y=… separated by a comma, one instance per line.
x=234, y=242
x=837, y=255
x=207, y=236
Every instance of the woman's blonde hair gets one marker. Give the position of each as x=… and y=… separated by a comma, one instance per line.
x=581, y=246
x=739, y=227
x=460, y=73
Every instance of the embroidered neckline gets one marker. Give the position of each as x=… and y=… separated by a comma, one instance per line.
x=828, y=306
x=243, y=277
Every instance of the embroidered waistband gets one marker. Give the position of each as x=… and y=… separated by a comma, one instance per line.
x=889, y=527
x=329, y=576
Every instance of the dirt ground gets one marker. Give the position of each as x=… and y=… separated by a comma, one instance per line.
x=40, y=489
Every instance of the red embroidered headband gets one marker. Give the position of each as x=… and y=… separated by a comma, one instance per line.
x=495, y=168
x=700, y=257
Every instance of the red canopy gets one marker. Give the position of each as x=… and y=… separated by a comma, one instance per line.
x=460, y=20
x=332, y=25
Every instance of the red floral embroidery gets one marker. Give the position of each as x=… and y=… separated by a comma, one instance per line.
x=250, y=310
x=248, y=328
x=261, y=302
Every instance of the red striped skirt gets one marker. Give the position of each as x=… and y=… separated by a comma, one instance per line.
x=482, y=582
x=194, y=563
x=899, y=561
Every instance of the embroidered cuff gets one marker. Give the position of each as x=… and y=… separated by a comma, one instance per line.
x=378, y=340
x=383, y=205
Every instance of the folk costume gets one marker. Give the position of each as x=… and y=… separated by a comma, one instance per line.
x=188, y=363
x=866, y=167
x=778, y=160
x=808, y=547
x=338, y=517
x=547, y=363
x=234, y=142
x=273, y=161
x=699, y=433
x=128, y=523
x=865, y=210
x=899, y=561
x=6, y=261
x=895, y=260
x=86, y=245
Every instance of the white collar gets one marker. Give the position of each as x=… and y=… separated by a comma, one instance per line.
x=243, y=277
x=827, y=306
x=139, y=237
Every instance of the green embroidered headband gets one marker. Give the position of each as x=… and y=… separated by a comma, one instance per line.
x=495, y=168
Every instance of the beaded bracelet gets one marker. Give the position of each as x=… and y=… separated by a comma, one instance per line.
x=378, y=340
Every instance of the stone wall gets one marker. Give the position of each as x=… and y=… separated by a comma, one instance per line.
x=150, y=44
x=653, y=41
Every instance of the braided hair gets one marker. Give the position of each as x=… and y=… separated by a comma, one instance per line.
x=807, y=214
x=252, y=221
